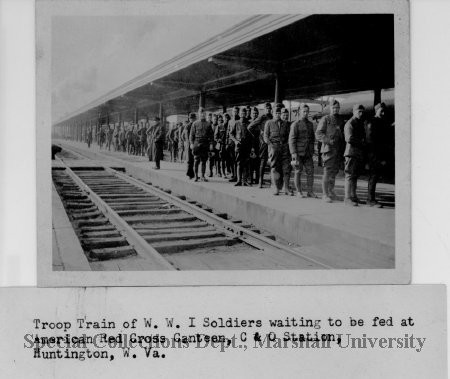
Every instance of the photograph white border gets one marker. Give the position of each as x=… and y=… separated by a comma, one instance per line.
x=401, y=274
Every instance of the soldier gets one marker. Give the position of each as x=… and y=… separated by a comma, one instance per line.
x=286, y=156
x=122, y=138
x=355, y=137
x=256, y=128
x=377, y=136
x=135, y=139
x=180, y=142
x=143, y=138
x=158, y=140
x=220, y=135
x=301, y=147
x=89, y=136
x=116, y=137
x=174, y=139
x=254, y=150
x=169, y=141
x=200, y=138
x=276, y=135
x=248, y=113
x=213, y=154
x=329, y=134
x=150, y=147
x=129, y=138
x=187, y=148
x=241, y=138
x=231, y=153
x=109, y=136
x=101, y=136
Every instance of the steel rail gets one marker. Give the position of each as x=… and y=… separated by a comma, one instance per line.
x=256, y=240
x=142, y=247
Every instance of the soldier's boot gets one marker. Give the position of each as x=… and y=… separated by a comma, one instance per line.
x=211, y=165
x=310, y=187
x=256, y=174
x=298, y=184
x=196, y=164
x=286, y=187
x=348, y=187
x=331, y=191
x=239, y=176
x=275, y=177
x=204, y=171
x=325, y=187
x=371, y=200
x=354, y=196
x=261, y=177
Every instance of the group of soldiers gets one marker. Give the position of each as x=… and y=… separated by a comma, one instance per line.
x=240, y=146
x=142, y=139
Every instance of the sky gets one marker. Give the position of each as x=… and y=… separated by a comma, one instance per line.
x=92, y=55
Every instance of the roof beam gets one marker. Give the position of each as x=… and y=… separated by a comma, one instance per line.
x=177, y=84
x=265, y=65
x=235, y=79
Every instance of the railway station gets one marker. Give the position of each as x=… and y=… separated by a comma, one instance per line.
x=115, y=208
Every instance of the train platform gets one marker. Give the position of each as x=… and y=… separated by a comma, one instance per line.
x=340, y=236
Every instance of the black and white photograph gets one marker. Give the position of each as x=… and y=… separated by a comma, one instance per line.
x=265, y=146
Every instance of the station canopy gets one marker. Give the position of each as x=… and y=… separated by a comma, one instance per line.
x=264, y=58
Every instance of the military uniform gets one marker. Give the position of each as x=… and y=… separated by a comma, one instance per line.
x=174, y=137
x=89, y=136
x=241, y=138
x=122, y=139
x=158, y=140
x=329, y=134
x=355, y=137
x=213, y=154
x=200, y=137
x=276, y=135
x=256, y=127
x=102, y=137
x=181, y=142
x=116, y=138
x=301, y=143
x=136, y=140
x=190, y=155
x=150, y=147
x=230, y=148
x=143, y=138
x=220, y=135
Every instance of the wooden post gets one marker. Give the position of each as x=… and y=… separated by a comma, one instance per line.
x=161, y=112
x=202, y=100
x=279, y=89
x=376, y=96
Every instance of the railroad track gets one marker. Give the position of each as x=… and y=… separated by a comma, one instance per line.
x=119, y=218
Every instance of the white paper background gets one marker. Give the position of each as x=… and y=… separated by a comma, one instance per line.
x=430, y=142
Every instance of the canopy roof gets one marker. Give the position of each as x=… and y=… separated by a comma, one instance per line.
x=310, y=55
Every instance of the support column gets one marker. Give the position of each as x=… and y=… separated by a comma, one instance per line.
x=97, y=127
x=135, y=116
x=161, y=111
x=376, y=96
x=202, y=100
x=279, y=89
